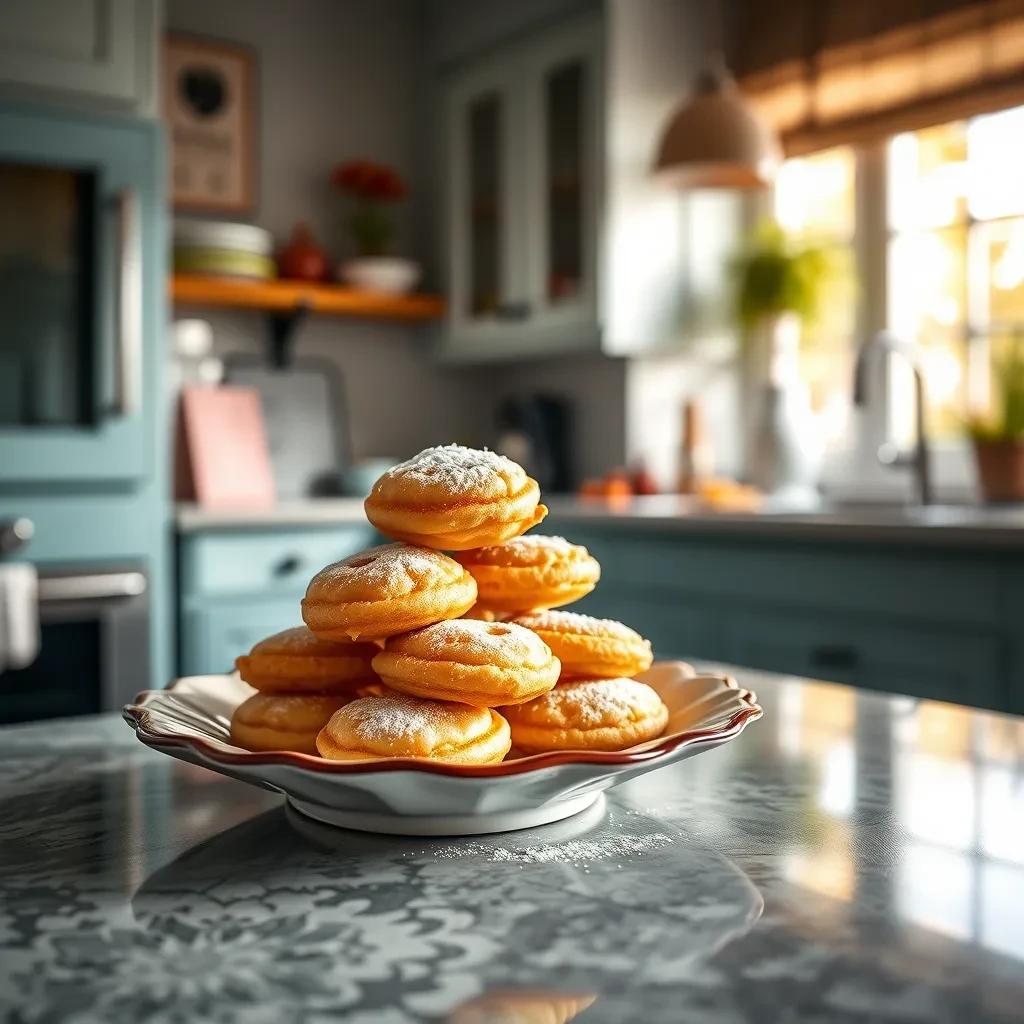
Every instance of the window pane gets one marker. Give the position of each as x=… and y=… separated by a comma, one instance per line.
x=995, y=147
x=827, y=349
x=815, y=202
x=814, y=195
x=484, y=205
x=564, y=92
x=927, y=307
x=45, y=320
x=927, y=282
x=997, y=274
x=928, y=177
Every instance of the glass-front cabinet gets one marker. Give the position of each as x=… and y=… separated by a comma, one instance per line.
x=76, y=217
x=487, y=291
x=523, y=155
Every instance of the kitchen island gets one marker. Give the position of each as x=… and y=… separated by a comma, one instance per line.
x=851, y=857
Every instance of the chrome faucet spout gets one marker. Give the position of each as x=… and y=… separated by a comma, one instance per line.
x=919, y=458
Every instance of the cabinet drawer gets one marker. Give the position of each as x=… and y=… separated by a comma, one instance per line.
x=937, y=587
x=676, y=629
x=257, y=563
x=963, y=667
x=211, y=638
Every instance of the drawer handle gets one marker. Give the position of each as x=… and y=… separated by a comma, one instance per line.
x=513, y=311
x=288, y=565
x=835, y=657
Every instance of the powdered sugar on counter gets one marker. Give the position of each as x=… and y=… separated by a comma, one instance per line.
x=576, y=851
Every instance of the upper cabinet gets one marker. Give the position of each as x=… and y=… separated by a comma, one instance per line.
x=95, y=53
x=522, y=160
x=81, y=287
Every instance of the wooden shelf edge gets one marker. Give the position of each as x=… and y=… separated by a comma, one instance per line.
x=289, y=296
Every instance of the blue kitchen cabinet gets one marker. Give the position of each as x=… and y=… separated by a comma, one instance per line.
x=676, y=629
x=937, y=663
x=213, y=636
x=100, y=54
x=83, y=416
x=923, y=621
x=80, y=353
x=239, y=584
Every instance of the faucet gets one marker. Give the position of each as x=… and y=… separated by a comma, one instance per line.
x=919, y=457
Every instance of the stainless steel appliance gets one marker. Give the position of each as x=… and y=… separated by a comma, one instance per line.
x=93, y=639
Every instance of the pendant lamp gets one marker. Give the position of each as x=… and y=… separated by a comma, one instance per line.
x=716, y=139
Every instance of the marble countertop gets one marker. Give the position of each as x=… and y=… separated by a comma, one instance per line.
x=852, y=857
x=190, y=517
x=945, y=525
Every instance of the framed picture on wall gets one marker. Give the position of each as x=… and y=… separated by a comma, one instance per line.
x=209, y=107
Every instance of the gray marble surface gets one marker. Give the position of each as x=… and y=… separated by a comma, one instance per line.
x=191, y=518
x=852, y=857
x=966, y=526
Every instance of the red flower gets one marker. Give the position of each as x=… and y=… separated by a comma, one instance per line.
x=368, y=181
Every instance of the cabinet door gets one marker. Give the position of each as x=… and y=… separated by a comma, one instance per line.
x=484, y=203
x=92, y=50
x=676, y=628
x=563, y=72
x=81, y=298
x=211, y=638
x=933, y=663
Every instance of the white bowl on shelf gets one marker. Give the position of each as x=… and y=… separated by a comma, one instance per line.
x=389, y=275
x=412, y=796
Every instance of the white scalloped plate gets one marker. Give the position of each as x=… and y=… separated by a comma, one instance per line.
x=411, y=796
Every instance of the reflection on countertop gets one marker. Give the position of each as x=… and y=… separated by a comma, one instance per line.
x=854, y=857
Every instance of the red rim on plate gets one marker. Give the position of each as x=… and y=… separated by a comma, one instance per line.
x=138, y=715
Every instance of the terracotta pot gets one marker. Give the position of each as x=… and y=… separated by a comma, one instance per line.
x=1001, y=469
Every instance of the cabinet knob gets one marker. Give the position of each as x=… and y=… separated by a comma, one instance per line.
x=835, y=656
x=14, y=533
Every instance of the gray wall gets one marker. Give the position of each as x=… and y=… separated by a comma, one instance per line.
x=340, y=80
x=459, y=29
x=346, y=78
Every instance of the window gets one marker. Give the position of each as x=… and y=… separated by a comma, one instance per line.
x=815, y=202
x=952, y=245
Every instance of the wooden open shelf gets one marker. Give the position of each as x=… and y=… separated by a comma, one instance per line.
x=284, y=297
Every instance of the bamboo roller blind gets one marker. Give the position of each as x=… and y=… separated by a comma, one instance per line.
x=826, y=72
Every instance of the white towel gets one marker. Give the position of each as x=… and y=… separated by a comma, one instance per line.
x=19, y=615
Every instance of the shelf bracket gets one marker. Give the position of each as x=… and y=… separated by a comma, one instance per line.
x=282, y=334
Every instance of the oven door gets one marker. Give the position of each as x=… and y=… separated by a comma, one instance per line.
x=94, y=645
x=77, y=214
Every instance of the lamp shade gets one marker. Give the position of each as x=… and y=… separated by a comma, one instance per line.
x=717, y=140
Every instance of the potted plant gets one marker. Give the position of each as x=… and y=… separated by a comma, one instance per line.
x=373, y=189
x=780, y=285
x=999, y=438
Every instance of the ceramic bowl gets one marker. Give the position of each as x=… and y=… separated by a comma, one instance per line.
x=389, y=275
x=411, y=796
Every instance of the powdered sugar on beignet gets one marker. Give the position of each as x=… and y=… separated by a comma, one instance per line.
x=469, y=660
x=455, y=498
x=396, y=725
x=386, y=590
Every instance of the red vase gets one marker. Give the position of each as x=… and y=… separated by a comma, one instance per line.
x=302, y=259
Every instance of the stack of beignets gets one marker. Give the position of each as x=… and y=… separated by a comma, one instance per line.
x=465, y=655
